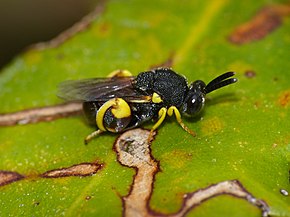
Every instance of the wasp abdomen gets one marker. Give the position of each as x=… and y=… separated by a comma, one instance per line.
x=90, y=110
x=114, y=124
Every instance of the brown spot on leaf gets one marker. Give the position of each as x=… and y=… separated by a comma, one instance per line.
x=7, y=177
x=284, y=98
x=88, y=197
x=103, y=30
x=83, y=169
x=257, y=105
x=264, y=22
x=133, y=150
x=250, y=73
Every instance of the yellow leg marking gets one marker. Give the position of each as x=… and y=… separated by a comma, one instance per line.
x=174, y=110
x=120, y=109
x=162, y=115
x=120, y=73
x=92, y=135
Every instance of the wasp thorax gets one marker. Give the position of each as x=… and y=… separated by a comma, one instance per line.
x=194, y=100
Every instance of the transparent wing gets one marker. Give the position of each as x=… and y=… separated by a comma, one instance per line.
x=99, y=89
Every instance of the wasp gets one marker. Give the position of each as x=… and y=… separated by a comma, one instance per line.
x=122, y=101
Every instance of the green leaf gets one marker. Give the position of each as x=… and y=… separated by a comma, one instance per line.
x=242, y=134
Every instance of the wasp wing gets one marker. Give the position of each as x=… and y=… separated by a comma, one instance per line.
x=100, y=89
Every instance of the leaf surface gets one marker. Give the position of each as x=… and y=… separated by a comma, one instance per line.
x=242, y=134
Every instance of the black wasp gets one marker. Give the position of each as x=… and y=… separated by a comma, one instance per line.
x=122, y=101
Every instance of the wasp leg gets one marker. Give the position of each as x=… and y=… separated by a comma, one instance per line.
x=162, y=115
x=92, y=135
x=120, y=73
x=174, y=110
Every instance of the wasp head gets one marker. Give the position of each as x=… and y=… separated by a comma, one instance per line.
x=194, y=100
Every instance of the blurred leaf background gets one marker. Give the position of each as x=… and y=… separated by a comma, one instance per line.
x=242, y=134
x=25, y=22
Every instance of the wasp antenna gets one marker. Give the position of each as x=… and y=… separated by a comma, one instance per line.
x=220, y=81
x=221, y=78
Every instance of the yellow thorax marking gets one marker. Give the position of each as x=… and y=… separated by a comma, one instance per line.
x=156, y=98
x=120, y=109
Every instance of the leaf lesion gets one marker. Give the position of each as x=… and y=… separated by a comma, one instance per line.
x=7, y=177
x=136, y=203
x=263, y=23
x=41, y=114
x=81, y=169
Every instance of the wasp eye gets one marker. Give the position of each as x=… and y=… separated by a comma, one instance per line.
x=194, y=101
x=194, y=104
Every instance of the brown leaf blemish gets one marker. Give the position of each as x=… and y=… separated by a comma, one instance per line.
x=263, y=23
x=7, y=177
x=88, y=197
x=250, y=73
x=284, y=99
x=133, y=150
x=36, y=115
x=83, y=169
x=103, y=30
